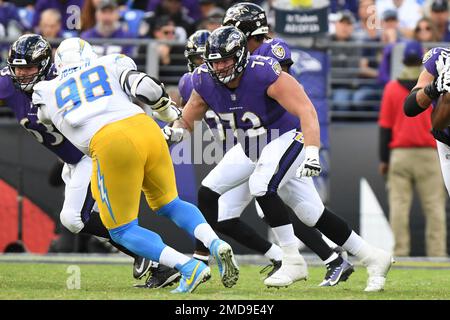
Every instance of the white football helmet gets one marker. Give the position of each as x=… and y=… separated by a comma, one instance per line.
x=72, y=53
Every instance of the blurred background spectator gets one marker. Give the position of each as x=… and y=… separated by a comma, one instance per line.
x=347, y=95
x=10, y=22
x=426, y=31
x=339, y=5
x=70, y=11
x=409, y=12
x=389, y=37
x=50, y=24
x=108, y=26
x=174, y=9
x=212, y=20
x=171, y=57
x=88, y=14
x=189, y=7
x=439, y=14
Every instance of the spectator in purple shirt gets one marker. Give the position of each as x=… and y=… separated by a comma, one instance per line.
x=70, y=11
x=174, y=9
x=10, y=21
x=108, y=27
x=192, y=7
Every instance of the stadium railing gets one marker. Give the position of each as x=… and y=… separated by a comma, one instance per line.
x=146, y=57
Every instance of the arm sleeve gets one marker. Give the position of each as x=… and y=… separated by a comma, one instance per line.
x=38, y=100
x=138, y=84
x=411, y=107
x=384, y=140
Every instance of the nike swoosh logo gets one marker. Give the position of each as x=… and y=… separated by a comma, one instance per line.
x=141, y=267
x=189, y=281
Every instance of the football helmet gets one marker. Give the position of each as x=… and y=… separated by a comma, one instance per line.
x=248, y=17
x=195, y=47
x=30, y=50
x=224, y=43
x=73, y=53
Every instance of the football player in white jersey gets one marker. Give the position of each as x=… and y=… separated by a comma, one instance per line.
x=89, y=102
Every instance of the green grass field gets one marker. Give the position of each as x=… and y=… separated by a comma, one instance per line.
x=99, y=282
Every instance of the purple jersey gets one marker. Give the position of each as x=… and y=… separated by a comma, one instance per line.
x=247, y=107
x=432, y=63
x=110, y=47
x=275, y=48
x=185, y=86
x=211, y=119
x=26, y=114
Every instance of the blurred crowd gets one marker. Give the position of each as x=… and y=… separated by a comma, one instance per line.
x=377, y=25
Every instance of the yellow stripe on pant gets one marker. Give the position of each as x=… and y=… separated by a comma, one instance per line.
x=130, y=156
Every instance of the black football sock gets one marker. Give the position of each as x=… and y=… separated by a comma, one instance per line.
x=332, y=226
x=312, y=238
x=275, y=211
x=208, y=204
x=242, y=233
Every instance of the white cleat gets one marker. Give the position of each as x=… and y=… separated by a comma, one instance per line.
x=378, y=265
x=293, y=268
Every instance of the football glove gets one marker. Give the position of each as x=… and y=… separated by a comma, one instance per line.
x=310, y=167
x=442, y=82
x=173, y=134
x=169, y=114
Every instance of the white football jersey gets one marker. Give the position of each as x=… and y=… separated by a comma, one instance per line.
x=80, y=101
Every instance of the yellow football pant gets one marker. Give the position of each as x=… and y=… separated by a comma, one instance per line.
x=128, y=156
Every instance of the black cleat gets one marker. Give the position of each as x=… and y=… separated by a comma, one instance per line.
x=337, y=271
x=140, y=267
x=160, y=277
x=276, y=264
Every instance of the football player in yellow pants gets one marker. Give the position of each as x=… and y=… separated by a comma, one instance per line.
x=89, y=104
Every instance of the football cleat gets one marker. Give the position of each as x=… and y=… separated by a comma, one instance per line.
x=378, y=265
x=293, y=268
x=193, y=273
x=228, y=268
x=160, y=277
x=336, y=272
x=141, y=266
x=274, y=266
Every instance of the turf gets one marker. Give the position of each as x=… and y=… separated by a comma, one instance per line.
x=105, y=282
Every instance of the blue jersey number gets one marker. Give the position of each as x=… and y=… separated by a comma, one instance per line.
x=95, y=85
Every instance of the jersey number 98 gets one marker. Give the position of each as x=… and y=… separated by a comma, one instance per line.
x=94, y=83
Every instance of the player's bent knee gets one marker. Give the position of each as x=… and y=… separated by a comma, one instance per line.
x=258, y=186
x=211, y=184
x=71, y=220
x=308, y=213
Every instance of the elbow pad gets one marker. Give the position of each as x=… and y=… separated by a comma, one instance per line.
x=411, y=107
x=142, y=87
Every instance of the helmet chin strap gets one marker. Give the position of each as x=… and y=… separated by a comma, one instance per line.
x=28, y=87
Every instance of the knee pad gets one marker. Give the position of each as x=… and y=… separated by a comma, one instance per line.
x=71, y=220
x=258, y=185
x=308, y=213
